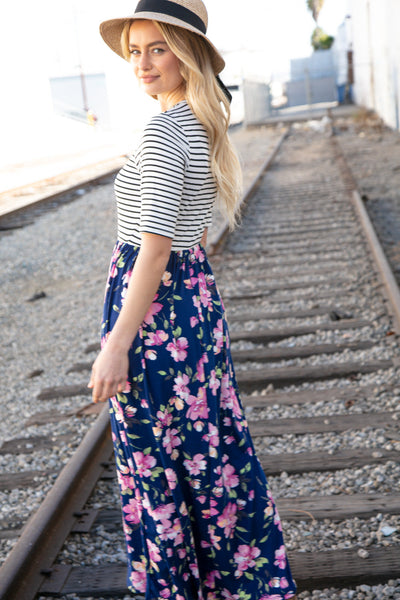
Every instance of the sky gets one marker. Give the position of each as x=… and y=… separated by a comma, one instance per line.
x=257, y=37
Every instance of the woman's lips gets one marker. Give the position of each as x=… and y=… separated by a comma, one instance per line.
x=148, y=78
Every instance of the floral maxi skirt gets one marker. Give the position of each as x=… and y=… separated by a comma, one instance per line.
x=198, y=517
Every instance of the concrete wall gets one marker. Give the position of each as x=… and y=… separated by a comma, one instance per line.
x=376, y=44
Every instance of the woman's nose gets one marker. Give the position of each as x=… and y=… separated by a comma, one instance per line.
x=144, y=61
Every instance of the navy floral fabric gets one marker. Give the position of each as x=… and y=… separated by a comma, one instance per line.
x=199, y=519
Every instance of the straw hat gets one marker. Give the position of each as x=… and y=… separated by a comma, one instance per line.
x=188, y=14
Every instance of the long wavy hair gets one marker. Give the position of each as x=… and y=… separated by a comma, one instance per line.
x=210, y=105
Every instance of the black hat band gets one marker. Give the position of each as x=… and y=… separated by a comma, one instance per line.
x=172, y=9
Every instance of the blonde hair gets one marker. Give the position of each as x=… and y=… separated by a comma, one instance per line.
x=211, y=107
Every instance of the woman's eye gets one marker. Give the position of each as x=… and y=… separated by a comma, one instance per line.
x=158, y=50
x=134, y=52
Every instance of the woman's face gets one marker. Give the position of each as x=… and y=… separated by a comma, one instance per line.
x=155, y=65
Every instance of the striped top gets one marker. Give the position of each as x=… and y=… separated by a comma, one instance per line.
x=167, y=186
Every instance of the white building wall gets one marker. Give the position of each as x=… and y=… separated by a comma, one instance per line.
x=376, y=45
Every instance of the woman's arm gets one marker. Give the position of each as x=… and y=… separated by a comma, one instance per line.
x=110, y=369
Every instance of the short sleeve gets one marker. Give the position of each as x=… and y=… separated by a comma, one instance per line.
x=162, y=159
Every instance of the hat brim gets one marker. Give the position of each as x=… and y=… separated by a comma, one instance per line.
x=111, y=32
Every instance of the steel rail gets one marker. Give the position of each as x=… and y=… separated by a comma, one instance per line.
x=31, y=559
x=390, y=286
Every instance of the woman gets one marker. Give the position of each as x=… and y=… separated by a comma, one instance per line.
x=199, y=519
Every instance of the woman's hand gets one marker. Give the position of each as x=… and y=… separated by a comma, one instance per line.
x=109, y=373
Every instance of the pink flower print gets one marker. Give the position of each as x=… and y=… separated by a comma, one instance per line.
x=214, y=382
x=118, y=410
x=153, y=310
x=126, y=277
x=227, y=520
x=198, y=426
x=193, y=322
x=199, y=254
x=210, y=579
x=212, y=437
x=198, y=408
x=214, y=539
x=277, y=520
x=113, y=271
x=171, y=478
x=124, y=292
x=195, y=569
x=195, y=484
x=212, y=511
x=163, y=529
x=151, y=354
x=227, y=595
x=171, y=440
x=188, y=283
x=138, y=581
x=218, y=336
x=229, y=477
x=180, y=387
x=127, y=529
x=229, y=398
x=177, y=402
x=156, y=338
x=126, y=482
x=225, y=390
x=284, y=583
x=274, y=582
x=174, y=454
x=244, y=558
x=166, y=279
x=269, y=509
x=144, y=463
x=200, y=368
x=183, y=509
x=165, y=593
x=134, y=509
x=201, y=499
x=165, y=418
x=177, y=533
x=196, y=465
x=280, y=557
x=130, y=411
x=163, y=512
x=197, y=304
x=205, y=295
x=177, y=348
x=154, y=554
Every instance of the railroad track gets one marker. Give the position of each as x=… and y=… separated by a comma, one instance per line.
x=314, y=330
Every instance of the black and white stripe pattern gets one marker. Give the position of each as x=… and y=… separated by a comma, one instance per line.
x=167, y=187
